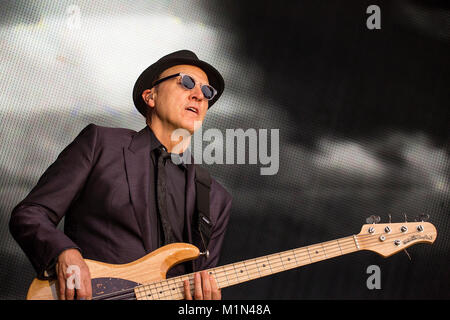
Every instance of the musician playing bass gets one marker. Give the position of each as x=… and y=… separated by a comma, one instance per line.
x=121, y=192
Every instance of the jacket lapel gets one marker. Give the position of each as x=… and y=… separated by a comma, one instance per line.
x=137, y=166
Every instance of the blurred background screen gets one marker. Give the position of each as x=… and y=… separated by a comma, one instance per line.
x=360, y=99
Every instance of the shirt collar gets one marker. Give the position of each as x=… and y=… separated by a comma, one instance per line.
x=155, y=144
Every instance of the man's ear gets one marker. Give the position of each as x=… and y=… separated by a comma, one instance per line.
x=148, y=96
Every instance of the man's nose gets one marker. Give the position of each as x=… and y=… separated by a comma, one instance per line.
x=196, y=93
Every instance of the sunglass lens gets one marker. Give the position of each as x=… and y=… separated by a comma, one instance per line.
x=208, y=91
x=188, y=82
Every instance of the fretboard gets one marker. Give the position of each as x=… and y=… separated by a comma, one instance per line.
x=235, y=273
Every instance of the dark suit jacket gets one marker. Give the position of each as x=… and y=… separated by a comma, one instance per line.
x=100, y=183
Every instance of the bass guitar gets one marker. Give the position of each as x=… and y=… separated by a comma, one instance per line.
x=145, y=278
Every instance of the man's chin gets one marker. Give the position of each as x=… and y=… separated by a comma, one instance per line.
x=192, y=126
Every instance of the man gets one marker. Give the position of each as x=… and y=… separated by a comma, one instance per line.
x=107, y=184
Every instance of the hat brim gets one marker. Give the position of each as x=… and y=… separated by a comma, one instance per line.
x=149, y=75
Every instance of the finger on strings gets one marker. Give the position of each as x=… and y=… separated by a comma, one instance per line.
x=187, y=290
x=206, y=285
x=215, y=291
x=198, y=294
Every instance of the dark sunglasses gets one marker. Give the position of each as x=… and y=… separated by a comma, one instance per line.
x=189, y=83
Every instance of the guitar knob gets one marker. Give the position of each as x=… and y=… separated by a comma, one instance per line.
x=403, y=229
x=205, y=253
x=387, y=229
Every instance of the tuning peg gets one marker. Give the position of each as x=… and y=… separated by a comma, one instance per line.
x=423, y=217
x=373, y=219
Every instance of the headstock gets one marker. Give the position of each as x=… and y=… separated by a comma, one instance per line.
x=387, y=239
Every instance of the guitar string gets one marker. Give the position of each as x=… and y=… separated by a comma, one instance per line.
x=249, y=271
x=168, y=290
x=250, y=262
x=253, y=262
x=251, y=266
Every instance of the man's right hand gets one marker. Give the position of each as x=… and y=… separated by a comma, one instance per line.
x=69, y=267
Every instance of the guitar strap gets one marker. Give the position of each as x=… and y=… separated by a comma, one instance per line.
x=203, y=187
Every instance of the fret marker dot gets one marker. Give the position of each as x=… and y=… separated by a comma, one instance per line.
x=264, y=265
x=289, y=259
x=242, y=271
x=317, y=251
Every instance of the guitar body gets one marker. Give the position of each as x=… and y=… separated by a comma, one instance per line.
x=110, y=278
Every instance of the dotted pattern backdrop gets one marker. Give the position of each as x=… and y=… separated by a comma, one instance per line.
x=65, y=64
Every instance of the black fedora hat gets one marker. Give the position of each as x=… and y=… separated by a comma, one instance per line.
x=149, y=75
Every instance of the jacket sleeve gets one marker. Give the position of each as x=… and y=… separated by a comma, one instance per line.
x=33, y=222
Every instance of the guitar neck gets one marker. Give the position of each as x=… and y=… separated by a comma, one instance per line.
x=235, y=273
